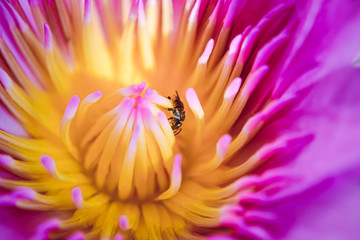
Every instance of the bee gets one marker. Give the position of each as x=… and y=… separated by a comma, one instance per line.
x=178, y=114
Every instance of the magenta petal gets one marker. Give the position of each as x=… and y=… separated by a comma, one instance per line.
x=325, y=39
x=330, y=100
x=328, y=211
x=330, y=112
x=18, y=224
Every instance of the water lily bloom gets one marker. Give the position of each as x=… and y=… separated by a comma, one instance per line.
x=169, y=119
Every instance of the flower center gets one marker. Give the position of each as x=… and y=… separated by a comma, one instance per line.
x=125, y=142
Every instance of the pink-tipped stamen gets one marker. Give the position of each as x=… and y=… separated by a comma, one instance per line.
x=165, y=126
x=24, y=193
x=247, y=46
x=233, y=89
x=194, y=103
x=6, y=160
x=119, y=237
x=77, y=236
x=87, y=11
x=154, y=97
x=5, y=80
x=141, y=14
x=127, y=169
x=233, y=50
x=253, y=80
x=48, y=163
x=194, y=12
x=71, y=108
x=222, y=146
x=76, y=196
x=47, y=37
x=234, y=7
x=123, y=222
x=132, y=90
x=176, y=177
x=204, y=58
x=93, y=97
x=215, y=12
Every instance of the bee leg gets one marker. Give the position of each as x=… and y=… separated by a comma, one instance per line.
x=177, y=131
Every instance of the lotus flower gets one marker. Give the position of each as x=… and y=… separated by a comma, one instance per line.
x=179, y=119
